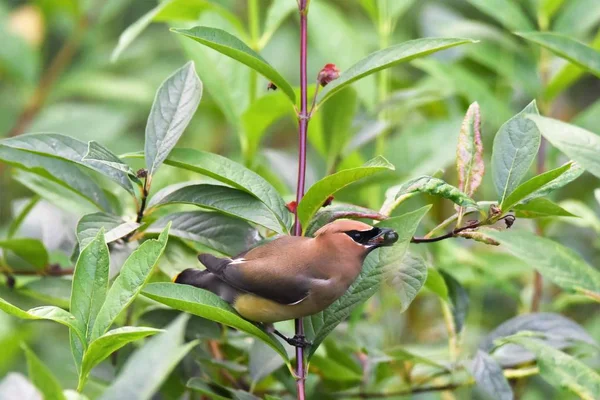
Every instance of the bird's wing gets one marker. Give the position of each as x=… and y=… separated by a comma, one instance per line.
x=259, y=278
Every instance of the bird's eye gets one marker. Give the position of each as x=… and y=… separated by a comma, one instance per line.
x=355, y=235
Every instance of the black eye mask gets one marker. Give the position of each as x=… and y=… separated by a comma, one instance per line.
x=363, y=237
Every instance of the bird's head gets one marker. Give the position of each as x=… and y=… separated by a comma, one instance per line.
x=355, y=237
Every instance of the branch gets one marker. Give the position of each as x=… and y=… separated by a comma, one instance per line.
x=448, y=235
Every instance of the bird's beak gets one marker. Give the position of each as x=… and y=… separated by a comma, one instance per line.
x=386, y=237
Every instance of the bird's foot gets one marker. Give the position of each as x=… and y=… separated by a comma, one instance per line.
x=296, y=341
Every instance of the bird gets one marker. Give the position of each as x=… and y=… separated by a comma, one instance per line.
x=291, y=276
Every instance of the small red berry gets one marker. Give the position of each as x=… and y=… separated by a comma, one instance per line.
x=292, y=206
x=329, y=73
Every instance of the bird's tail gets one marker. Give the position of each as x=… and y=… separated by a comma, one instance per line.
x=204, y=279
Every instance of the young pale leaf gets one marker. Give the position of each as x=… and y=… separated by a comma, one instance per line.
x=567, y=177
x=578, y=144
x=100, y=154
x=408, y=279
x=30, y=250
x=379, y=263
x=540, y=208
x=435, y=187
x=507, y=12
x=42, y=377
x=531, y=186
x=386, y=58
x=458, y=300
x=515, y=147
x=174, y=106
x=469, y=152
x=436, y=283
x=46, y=313
x=557, y=331
x=59, y=172
x=210, y=306
x=149, y=366
x=229, y=236
x=89, y=225
x=227, y=44
x=577, y=18
x=90, y=283
x=321, y=190
x=560, y=369
x=558, y=263
x=226, y=200
x=101, y=348
x=133, y=276
x=65, y=148
x=567, y=48
x=233, y=174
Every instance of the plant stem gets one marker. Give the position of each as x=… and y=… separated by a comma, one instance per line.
x=254, y=27
x=303, y=118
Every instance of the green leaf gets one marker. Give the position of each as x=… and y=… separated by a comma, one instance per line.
x=559, y=264
x=262, y=361
x=133, y=276
x=532, y=185
x=18, y=219
x=65, y=148
x=101, y=348
x=333, y=370
x=515, y=147
x=213, y=392
x=321, y=190
x=89, y=225
x=567, y=177
x=30, y=250
x=90, y=283
x=55, y=291
x=46, y=313
x=578, y=144
x=458, y=300
x=570, y=49
x=150, y=365
x=210, y=306
x=226, y=200
x=226, y=235
x=577, y=17
x=277, y=13
x=436, y=283
x=337, y=116
x=507, y=12
x=229, y=45
x=435, y=187
x=387, y=58
x=60, y=172
x=560, y=369
x=174, y=106
x=233, y=174
x=540, y=208
x=42, y=377
x=408, y=279
x=99, y=154
x=469, y=152
x=489, y=377
x=380, y=262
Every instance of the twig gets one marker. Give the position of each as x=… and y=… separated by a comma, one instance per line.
x=448, y=235
x=50, y=270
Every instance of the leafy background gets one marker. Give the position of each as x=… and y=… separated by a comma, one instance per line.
x=411, y=114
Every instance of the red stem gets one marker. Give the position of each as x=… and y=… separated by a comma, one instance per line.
x=302, y=134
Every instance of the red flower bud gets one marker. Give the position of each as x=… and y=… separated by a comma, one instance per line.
x=292, y=206
x=329, y=73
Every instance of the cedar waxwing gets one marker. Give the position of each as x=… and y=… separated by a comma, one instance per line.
x=292, y=276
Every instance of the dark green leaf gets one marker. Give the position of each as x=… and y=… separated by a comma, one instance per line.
x=210, y=306
x=202, y=387
x=531, y=186
x=578, y=144
x=380, y=262
x=321, y=190
x=577, y=17
x=226, y=200
x=435, y=187
x=233, y=174
x=174, y=106
x=507, y=12
x=149, y=366
x=489, y=377
x=89, y=226
x=332, y=370
x=31, y=250
x=436, y=283
x=337, y=116
x=262, y=361
x=558, y=263
x=227, y=235
x=101, y=348
x=567, y=48
x=540, y=208
x=99, y=154
x=42, y=377
x=387, y=58
x=459, y=300
x=229, y=45
x=133, y=276
x=515, y=147
x=408, y=279
x=560, y=369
